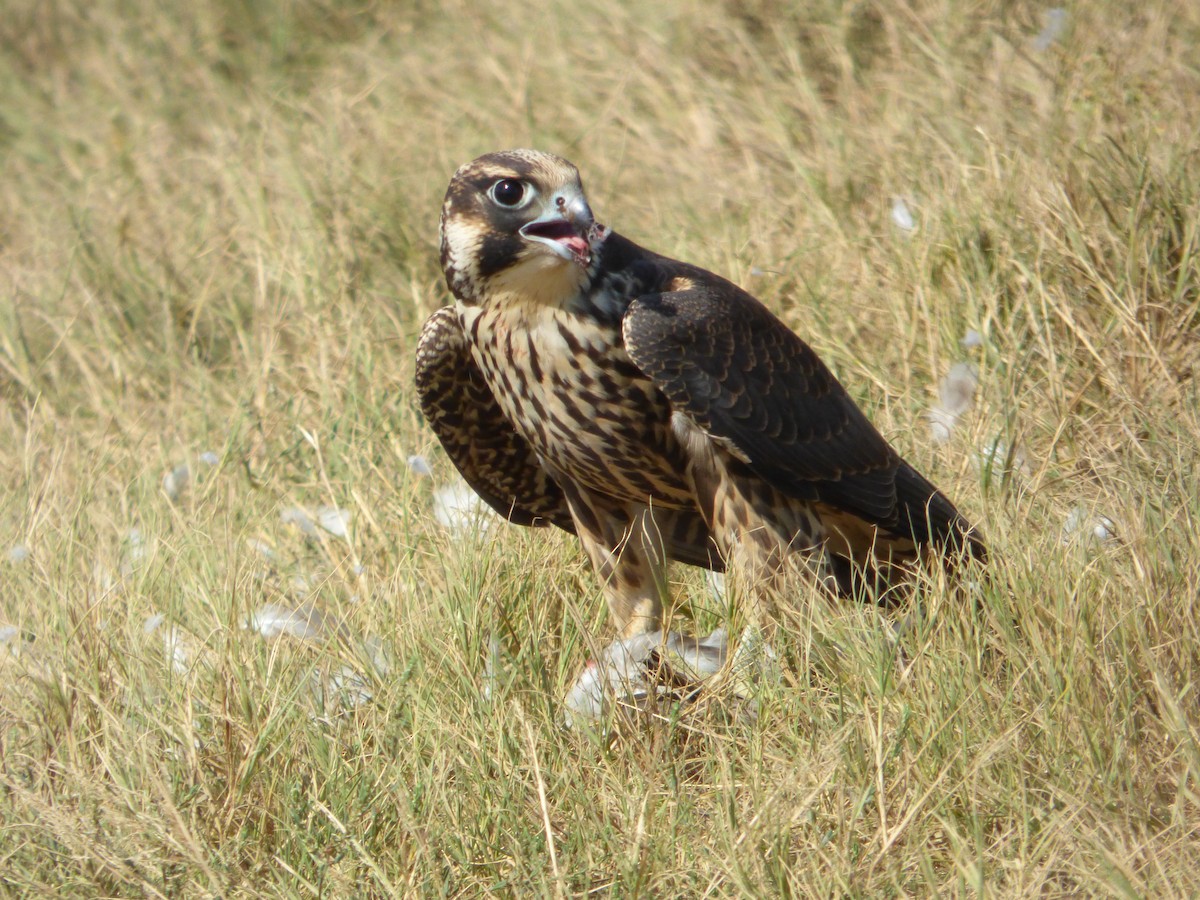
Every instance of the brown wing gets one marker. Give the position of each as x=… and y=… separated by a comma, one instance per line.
x=743, y=376
x=496, y=462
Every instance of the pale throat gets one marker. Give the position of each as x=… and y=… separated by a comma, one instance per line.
x=539, y=280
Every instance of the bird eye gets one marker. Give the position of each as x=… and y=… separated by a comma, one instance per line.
x=508, y=192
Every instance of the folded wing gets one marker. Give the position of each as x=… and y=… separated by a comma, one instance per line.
x=724, y=360
x=495, y=461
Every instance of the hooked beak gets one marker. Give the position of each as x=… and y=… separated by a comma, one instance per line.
x=568, y=228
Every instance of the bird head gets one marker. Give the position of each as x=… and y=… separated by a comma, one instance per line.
x=518, y=220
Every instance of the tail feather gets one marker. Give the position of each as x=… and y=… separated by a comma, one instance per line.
x=929, y=516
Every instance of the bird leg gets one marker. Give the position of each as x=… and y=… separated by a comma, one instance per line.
x=758, y=530
x=626, y=548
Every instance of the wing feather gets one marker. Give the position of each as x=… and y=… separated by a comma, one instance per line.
x=491, y=456
x=743, y=376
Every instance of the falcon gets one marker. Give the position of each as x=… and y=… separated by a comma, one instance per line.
x=654, y=409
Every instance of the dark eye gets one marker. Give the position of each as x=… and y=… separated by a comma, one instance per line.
x=508, y=192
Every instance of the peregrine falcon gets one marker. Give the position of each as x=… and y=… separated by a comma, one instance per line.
x=651, y=407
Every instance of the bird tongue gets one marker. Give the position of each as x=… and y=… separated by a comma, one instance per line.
x=564, y=233
x=577, y=245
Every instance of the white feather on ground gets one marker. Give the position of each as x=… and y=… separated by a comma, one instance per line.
x=135, y=552
x=459, y=509
x=175, y=483
x=419, y=465
x=1054, y=26
x=956, y=396
x=305, y=622
x=330, y=519
x=177, y=646
x=1088, y=527
x=902, y=216
x=998, y=458
x=621, y=672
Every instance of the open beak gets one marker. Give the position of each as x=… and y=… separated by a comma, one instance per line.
x=568, y=228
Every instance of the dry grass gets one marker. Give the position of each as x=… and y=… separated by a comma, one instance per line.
x=217, y=234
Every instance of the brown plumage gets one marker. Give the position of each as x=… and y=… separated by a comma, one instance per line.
x=651, y=407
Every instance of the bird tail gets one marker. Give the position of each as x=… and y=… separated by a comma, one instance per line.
x=929, y=516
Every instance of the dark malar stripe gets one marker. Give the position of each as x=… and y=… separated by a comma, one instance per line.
x=497, y=251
